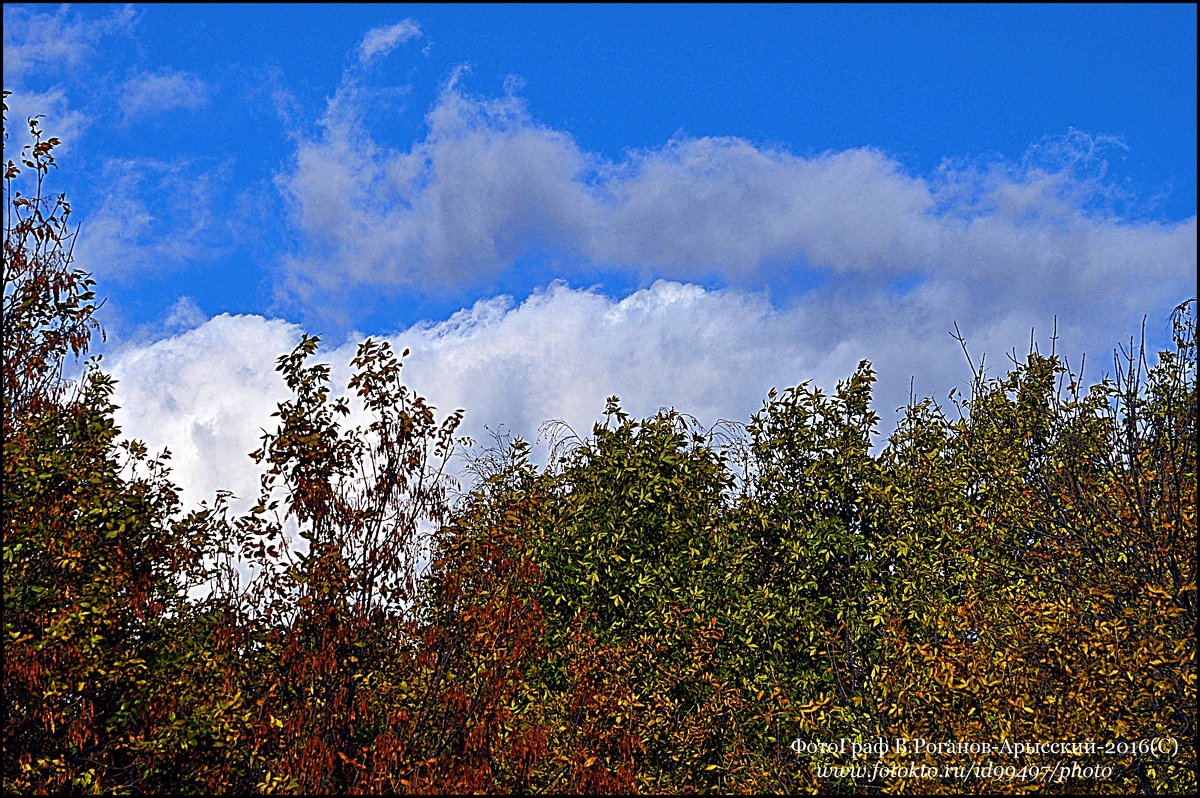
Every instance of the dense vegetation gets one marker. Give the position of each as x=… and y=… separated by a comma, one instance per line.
x=663, y=608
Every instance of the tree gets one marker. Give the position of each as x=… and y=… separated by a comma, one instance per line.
x=637, y=616
x=48, y=305
x=96, y=558
x=332, y=613
x=1064, y=607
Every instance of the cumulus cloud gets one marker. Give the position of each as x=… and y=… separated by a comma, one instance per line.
x=488, y=185
x=207, y=392
x=153, y=93
x=445, y=211
x=382, y=40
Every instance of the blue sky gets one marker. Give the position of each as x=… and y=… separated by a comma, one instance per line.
x=681, y=204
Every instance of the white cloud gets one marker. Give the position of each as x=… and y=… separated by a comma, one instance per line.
x=725, y=205
x=59, y=119
x=453, y=208
x=205, y=394
x=154, y=214
x=712, y=353
x=382, y=40
x=489, y=185
x=153, y=93
x=185, y=315
x=43, y=52
x=55, y=42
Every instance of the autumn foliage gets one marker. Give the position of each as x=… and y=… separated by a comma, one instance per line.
x=664, y=608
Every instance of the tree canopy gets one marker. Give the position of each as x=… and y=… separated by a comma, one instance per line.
x=1004, y=593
